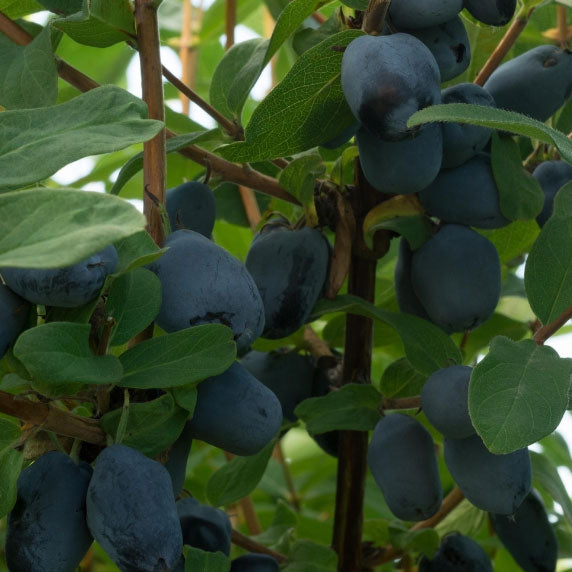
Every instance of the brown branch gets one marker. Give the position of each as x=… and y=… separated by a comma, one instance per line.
x=230, y=22
x=279, y=454
x=562, y=26
x=320, y=18
x=403, y=403
x=543, y=333
x=250, y=205
x=375, y=16
x=187, y=54
x=51, y=419
x=389, y=553
x=316, y=345
x=504, y=46
x=253, y=546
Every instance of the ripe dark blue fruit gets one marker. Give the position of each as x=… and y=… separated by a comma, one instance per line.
x=254, y=563
x=203, y=526
x=414, y=14
x=387, y=164
x=289, y=268
x=528, y=535
x=401, y=458
x=491, y=12
x=68, y=287
x=13, y=315
x=449, y=44
x=131, y=511
x=289, y=375
x=536, y=83
x=177, y=462
x=191, y=205
x=385, y=79
x=456, y=277
x=47, y=529
x=466, y=195
x=495, y=483
x=203, y=284
x=552, y=176
x=462, y=141
x=445, y=401
x=236, y=412
x=457, y=553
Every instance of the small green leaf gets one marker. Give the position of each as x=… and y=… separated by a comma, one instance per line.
x=497, y=119
x=299, y=114
x=133, y=302
x=299, y=176
x=18, y=8
x=427, y=347
x=197, y=559
x=186, y=397
x=400, y=379
x=466, y=518
x=238, y=478
x=11, y=462
x=59, y=358
x=514, y=239
x=54, y=228
x=32, y=78
x=548, y=272
x=9, y=432
x=136, y=250
x=181, y=358
x=101, y=23
x=520, y=194
x=518, y=394
x=307, y=556
x=354, y=407
x=102, y=120
x=151, y=426
x=135, y=164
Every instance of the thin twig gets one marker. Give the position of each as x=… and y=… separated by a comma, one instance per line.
x=230, y=22
x=251, y=209
x=186, y=53
x=402, y=403
x=504, y=46
x=562, y=25
x=543, y=333
x=49, y=418
x=279, y=454
x=253, y=546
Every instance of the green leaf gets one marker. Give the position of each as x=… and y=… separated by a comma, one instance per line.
x=307, y=556
x=427, y=347
x=10, y=432
x=102, y=120
x=545, y=475
x=136, y=250
x=466, y=518
x=32, y=78
x=181, y=358
x=238, y=478
x=11, y=462
x=54, y=228
x=197, y=559
x=213, y=24
x=186, y=397
x=520, y=194
x=299, y=176
x=133, y=302
x=135, y=164
x=60, y=360
x=518, y=394
x=497, y=119
x=18, y=8
x=299, y=114
x=548, y=272
x=400, y=379
x=62, y=6
x=151, y=426
x=354, y=407
x=101, y=23
x=514, y=239
x=234, y=74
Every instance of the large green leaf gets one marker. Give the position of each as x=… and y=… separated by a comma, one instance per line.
x=238, y=478
x=180, y=358
x=58, y=357
x=36, y=143
x=497, y=119
x=299, y=114
x=100, y=23
x=548, y=272
x=518, y=394
x=514, y=239
x=18, y=8
x=150, y=427
x=355, y=407
x=400, y=379
x=32, y=78
x=11, y=462
x=51, y=228
x=427, y=347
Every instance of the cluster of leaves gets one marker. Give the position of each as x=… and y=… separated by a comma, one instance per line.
x=48, y=124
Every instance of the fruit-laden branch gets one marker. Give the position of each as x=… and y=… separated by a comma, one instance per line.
x=241, y=175
x=504, y=46
x=381, y=556
x=50, y=418
x=542, y=334
x=154, y=151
